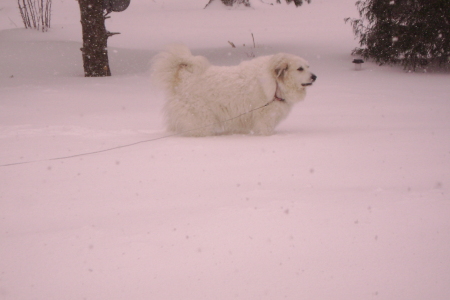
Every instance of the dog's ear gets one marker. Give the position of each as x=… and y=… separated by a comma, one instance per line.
x=281, y=69
x=268, y=84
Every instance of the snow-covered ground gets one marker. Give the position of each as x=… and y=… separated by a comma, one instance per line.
x=350, y=199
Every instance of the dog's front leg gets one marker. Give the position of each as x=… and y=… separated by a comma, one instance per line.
x=263, y=128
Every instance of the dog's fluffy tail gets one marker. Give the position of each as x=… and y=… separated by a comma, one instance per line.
x=168, y=67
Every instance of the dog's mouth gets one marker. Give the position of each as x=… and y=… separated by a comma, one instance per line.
x=313, y=78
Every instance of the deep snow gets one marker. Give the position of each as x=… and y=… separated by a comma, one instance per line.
x=350, y=199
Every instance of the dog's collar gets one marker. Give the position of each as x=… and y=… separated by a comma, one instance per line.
x=276, y=98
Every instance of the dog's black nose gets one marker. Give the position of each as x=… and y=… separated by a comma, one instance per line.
x=313, y=77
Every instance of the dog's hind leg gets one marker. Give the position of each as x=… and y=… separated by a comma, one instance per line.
x=189, y=122
x=263, y=129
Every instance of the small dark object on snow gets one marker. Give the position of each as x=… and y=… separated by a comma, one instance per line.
x=115, y=5
x=358, y=63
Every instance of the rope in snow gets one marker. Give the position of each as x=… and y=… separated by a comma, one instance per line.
x=132, y=144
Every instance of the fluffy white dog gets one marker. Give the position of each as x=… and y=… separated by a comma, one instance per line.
x=252, y=97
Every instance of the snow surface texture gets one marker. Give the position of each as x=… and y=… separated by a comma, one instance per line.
x=350, y=199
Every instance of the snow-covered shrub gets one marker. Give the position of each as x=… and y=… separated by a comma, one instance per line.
x=232, y=2
x=35, y=13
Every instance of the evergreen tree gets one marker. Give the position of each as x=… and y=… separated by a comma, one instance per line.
x=411, y=33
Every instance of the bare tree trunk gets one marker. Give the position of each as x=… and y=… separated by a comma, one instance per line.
x=95, y=37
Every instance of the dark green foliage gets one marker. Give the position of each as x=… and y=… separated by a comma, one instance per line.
x=412, y=33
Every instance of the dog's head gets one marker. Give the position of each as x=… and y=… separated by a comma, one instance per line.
x=292, y=75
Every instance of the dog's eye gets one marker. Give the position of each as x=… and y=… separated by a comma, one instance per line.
x=301, y=69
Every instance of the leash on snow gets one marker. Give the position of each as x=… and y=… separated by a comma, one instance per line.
x=135, y=143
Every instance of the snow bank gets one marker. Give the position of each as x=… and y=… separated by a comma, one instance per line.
x=348, y=200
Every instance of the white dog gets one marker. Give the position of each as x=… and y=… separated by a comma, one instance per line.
x=252, y=97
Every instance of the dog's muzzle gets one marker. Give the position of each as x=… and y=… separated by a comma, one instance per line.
x=313, y=78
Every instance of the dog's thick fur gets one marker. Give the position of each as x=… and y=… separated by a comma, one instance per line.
x=206, y=100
